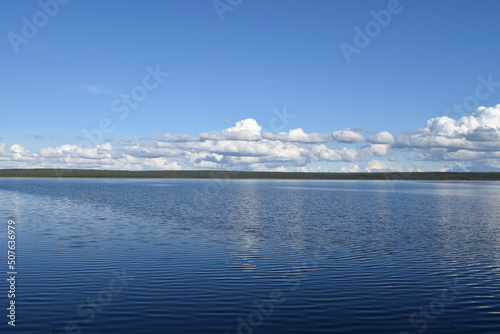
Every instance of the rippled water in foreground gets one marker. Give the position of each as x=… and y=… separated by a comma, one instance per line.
x=245, y=256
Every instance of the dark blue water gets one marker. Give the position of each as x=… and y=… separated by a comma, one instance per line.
x=216, y=256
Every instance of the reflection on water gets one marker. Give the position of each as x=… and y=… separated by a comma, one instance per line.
x=325, y=256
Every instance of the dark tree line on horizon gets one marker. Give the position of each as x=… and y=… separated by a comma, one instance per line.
x=209, y=174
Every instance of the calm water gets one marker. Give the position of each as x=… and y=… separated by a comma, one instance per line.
x=206, y=256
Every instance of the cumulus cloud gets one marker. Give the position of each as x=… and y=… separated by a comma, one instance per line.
x=479, y=131
x=170, y=137
x=71, y=156
x=247, y=129
x=378, y=149
x=352, y=168
x=471, y=138
x=126, y=142
x=316, y=169
x=474, y=139
x=242, y=146
x=323, y=153
x=384, y=166
x=381, y=138
x=297, y=135
x=347, y=136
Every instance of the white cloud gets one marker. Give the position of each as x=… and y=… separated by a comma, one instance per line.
x=384, y=166
x=18, y=149
x=281, y=169
x=381, y=138
x=323, y=153
x=71, y=156
x=248, y=125
x=378, y=149
x=479, y=131
x=471, y=138
x=347, y=136
x=455, y=168
x=296, y=135
x=247, y=129
x=242, y=146
x=172, y=138
x=474, y=139
x=98, y=152
x=352, y=168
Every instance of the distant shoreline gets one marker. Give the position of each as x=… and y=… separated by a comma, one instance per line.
x=215, y=174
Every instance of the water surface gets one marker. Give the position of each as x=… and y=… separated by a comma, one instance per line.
x=253, y=256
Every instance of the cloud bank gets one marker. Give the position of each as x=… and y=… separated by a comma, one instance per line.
x=473, y=140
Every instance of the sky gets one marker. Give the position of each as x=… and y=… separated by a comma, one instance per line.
x=282, y=85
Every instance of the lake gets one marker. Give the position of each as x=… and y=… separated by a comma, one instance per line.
x=251, y=256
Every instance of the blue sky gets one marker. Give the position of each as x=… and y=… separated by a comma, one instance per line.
x=245, y=62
